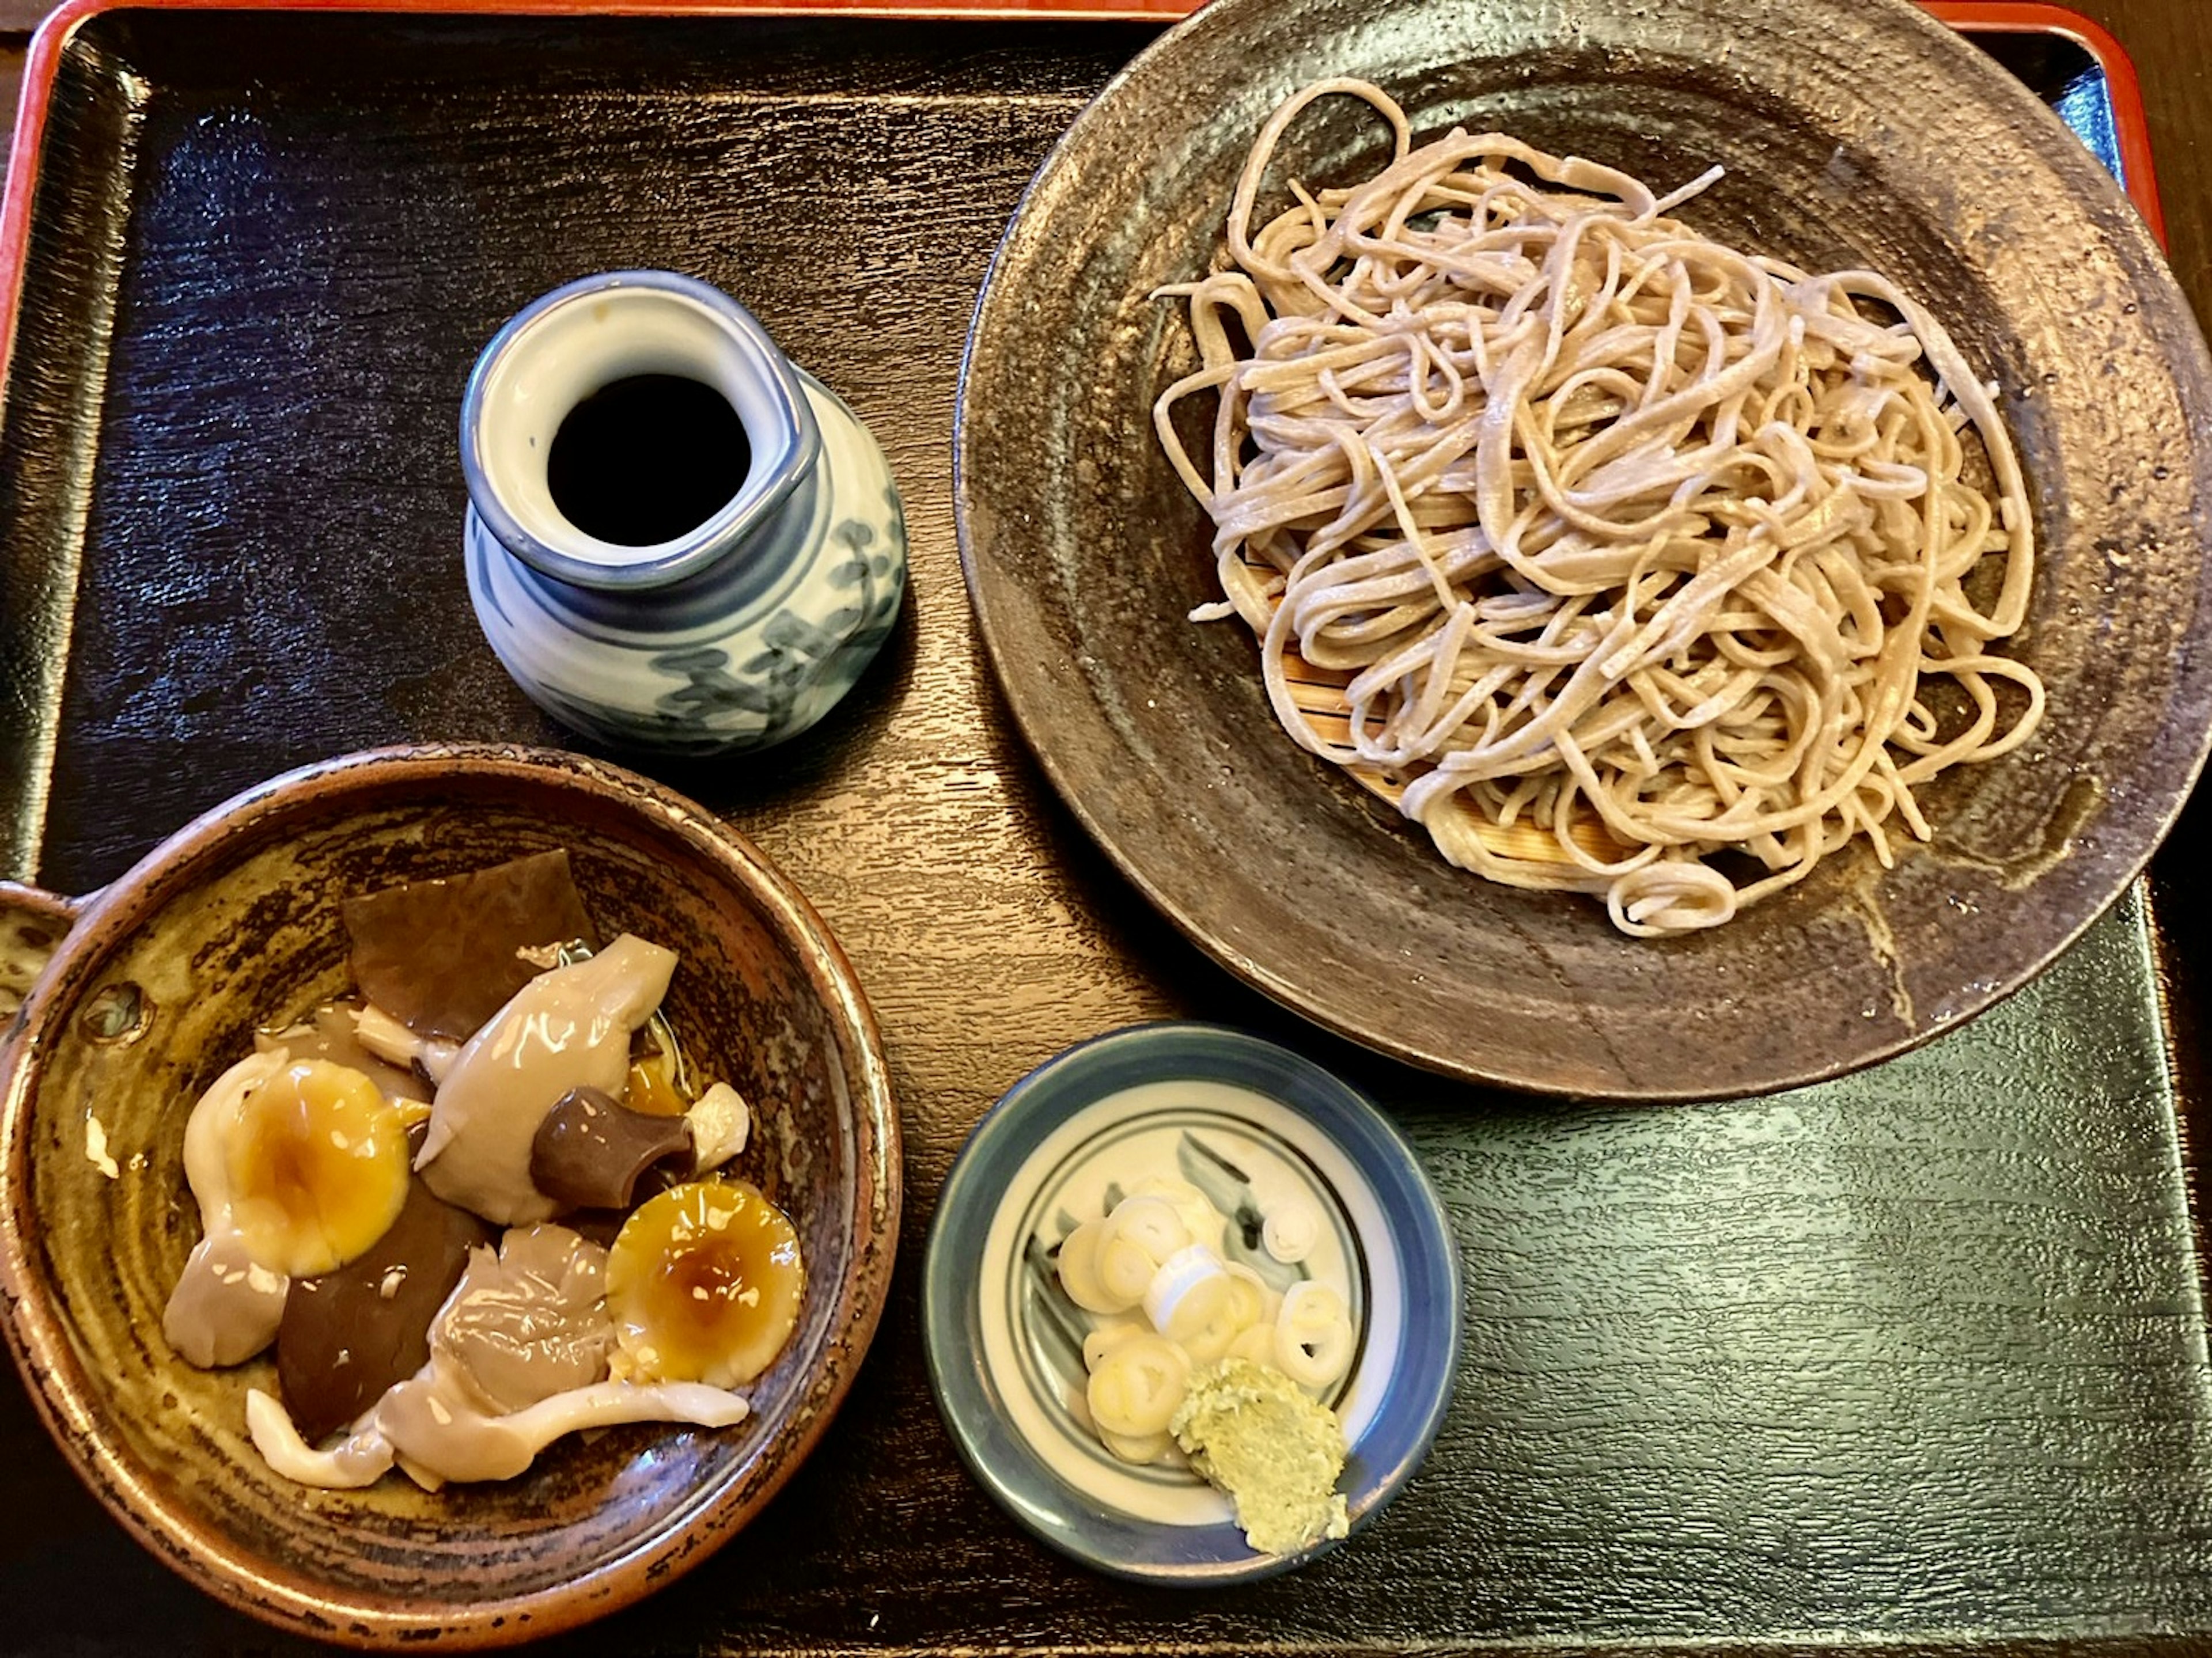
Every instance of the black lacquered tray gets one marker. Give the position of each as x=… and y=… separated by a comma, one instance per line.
x=1916, y=1359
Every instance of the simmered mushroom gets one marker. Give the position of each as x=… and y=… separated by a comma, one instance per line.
x=442, y=956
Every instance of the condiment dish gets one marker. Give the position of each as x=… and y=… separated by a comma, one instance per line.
x=1256, y=1128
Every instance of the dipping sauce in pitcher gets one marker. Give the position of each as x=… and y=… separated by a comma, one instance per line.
x=648, y=458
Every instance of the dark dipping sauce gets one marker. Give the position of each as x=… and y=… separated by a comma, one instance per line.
x=647, y=459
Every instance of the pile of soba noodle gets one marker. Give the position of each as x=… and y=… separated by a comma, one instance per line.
x=1602, y=547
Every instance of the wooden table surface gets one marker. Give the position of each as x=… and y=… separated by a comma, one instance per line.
x=1709, y=1459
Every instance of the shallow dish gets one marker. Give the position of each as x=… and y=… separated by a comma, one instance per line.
x=1879, y=138
x=1244, y=1119
x=233, y=923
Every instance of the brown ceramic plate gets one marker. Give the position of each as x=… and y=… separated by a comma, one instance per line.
x=1876, y=137
x=233, y=923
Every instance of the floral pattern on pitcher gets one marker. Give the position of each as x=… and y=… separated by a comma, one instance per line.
x=798, y=655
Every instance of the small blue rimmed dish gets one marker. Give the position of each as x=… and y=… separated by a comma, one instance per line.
x=1254, y=1128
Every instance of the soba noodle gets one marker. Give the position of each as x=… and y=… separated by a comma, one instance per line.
x=1602, y=547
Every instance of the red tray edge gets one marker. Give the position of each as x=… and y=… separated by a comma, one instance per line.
x=1990, y=16
x=2129, y=125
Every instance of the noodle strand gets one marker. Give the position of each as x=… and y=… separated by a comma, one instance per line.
x=1601, y=547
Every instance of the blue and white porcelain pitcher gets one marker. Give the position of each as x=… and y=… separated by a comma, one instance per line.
x=741, y=632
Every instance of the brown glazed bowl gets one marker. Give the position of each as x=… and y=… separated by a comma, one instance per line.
x=1861, y=135
x=232, y=923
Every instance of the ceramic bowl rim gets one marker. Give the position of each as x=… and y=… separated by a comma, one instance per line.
x=799, y=440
